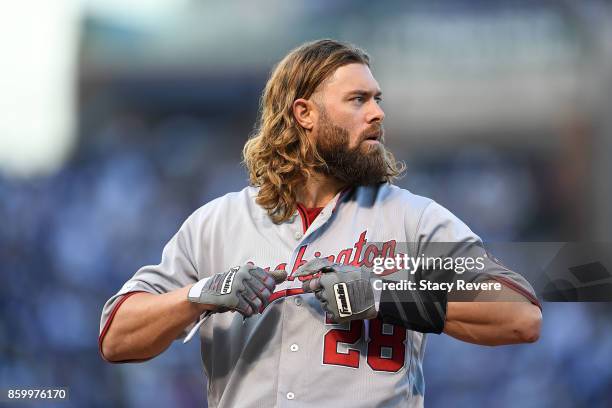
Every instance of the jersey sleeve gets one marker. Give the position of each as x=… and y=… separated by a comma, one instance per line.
x=176, y=269
x=443, y=244
x=441, y=233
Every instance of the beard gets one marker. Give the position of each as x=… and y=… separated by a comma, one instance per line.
x=365, y=164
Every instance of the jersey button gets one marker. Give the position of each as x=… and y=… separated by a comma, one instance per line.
x=294, y=347
x=298, y=301
x=290, y=395
x=298, y=235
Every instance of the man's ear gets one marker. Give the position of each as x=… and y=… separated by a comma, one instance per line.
x=305, y=113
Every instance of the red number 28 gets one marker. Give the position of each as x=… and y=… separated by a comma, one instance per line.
x=386, y=350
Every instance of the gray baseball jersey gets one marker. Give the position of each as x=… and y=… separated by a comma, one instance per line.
x=291, y=355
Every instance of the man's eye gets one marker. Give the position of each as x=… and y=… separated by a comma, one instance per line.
x=378, y=100
x=358, y=98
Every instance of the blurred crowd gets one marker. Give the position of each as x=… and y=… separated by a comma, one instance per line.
x=68, y=241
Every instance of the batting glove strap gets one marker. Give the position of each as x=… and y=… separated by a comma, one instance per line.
x=196, y=290
x=353, y=300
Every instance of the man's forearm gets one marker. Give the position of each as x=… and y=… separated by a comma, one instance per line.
x=146, y=324
x=493, y=323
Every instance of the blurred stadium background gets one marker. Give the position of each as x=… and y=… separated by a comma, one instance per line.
x=120, y=118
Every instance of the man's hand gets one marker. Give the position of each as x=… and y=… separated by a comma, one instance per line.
x=246, y=289
x=343, y=290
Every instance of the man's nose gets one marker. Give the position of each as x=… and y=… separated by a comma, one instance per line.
x=376, y=114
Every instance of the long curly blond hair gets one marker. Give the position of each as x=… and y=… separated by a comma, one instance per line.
x=279, y=156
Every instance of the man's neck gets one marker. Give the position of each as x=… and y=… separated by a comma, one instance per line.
x=318, y=191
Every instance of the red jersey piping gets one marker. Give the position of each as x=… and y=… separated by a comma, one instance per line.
x=107, y=326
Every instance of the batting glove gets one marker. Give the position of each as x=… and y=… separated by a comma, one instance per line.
x=343, y=290
x=246, y=289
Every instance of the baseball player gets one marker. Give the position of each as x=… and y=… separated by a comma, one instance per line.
x=281, y=270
